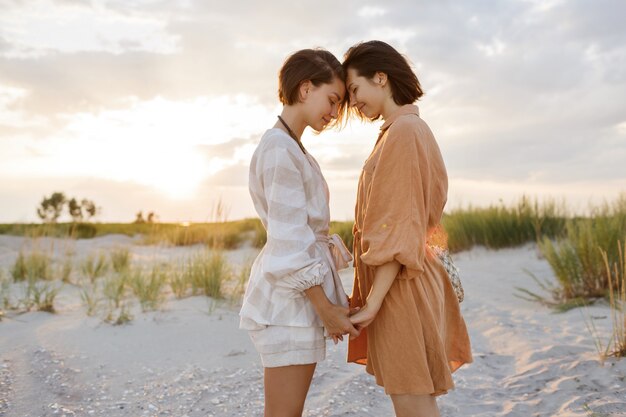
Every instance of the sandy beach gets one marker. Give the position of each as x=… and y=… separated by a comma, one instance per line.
x=190, y=359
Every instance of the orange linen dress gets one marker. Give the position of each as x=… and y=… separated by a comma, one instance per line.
x=418, y=337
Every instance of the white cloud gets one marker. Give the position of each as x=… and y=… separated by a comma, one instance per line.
x=42, y=27
x=496, y=47
x=371, y=11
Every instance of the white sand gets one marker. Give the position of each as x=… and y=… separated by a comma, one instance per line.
x=191, y=360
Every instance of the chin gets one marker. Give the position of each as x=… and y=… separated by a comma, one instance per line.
x=322, y=126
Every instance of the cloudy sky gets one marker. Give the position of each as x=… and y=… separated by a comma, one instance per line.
x=158, y=105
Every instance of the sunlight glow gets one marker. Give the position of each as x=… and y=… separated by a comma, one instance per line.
x=159, y=143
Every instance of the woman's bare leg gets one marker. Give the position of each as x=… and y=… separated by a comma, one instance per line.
x=415, y=406
x=286, y=388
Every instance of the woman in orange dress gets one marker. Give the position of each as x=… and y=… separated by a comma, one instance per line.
x=413, y=335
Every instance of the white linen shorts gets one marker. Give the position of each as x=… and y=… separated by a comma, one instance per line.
x=288, y=345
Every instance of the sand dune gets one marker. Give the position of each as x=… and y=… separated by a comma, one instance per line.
x=191, y=360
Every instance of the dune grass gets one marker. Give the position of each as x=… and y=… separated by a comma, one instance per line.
x=218, y=235
x=206, y=273
x=32, y=266
x=616, y=273
x=89, y=294
x=149, y=288
x=577, y=257
x=94, y=266
x=115, y=287
x=500, y=226
x=120, y=259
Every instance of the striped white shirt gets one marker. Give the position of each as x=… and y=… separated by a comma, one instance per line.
x=290, y=196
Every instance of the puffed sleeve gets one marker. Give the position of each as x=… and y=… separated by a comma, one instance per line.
x=395, y=221
x=289, y=261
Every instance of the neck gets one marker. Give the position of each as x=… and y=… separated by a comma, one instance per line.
x=389, y=108
x=295, y=122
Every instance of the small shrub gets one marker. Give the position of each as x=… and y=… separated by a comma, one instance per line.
x=5, y=292
x=94, y=267
x=40, y=295
x=89, y=295
x=120, y=259
x=178, y=282
x=123, y=316
x=206, y=272
x=149, y=289
x=114, y=288
x=66, y=270
x=617, y=297
x=37, y=265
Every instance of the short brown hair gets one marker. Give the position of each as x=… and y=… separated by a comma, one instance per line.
x=315, y=65
x=368, y=58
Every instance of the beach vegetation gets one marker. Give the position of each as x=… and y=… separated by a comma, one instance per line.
x=39, y=295
x=177, y=280
x=148, y=288
x=120, y=259
x=122, y=317
x=501, y=226
x=206, y=272
x=33, y=266
x=89, y=293
x=94, y=266
x=114, y=287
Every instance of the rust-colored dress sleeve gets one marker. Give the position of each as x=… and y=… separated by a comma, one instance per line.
x=396, y=221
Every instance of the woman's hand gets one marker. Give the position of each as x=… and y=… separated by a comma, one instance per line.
x=339, y=337
x=364, y=317
x=337, y=322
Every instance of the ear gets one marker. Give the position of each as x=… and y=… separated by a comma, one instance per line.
x=305, y=87
x=380, y=78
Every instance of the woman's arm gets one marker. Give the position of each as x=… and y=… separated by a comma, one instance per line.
x=383, y=279
x=335, y=317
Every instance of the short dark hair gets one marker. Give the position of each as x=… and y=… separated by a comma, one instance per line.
x=368, y=58
x=315, y=65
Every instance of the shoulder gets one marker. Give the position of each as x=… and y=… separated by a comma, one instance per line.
x=279, y=147
x=407, y=124
x=408, y=129
x=277, y=141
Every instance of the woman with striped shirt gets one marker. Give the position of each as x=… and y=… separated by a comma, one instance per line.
x=294, y=296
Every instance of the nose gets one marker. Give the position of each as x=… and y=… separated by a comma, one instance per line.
x=333, y=111
x=352, y=100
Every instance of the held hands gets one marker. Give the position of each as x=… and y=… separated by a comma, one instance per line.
x=364, y=317
x=337, y=322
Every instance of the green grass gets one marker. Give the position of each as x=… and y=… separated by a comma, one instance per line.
x=114, y=287
x=148, y=288
x=500, y=226
x=178, y=282
x=39, y=295
x=206, y=272
x=94, y=266
x=120, y=259
x=33, y=266
x=6, y=302
x=219, y=235
x=65, y=271
x=616, y=273
x=90, y=296
x=577, y=256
